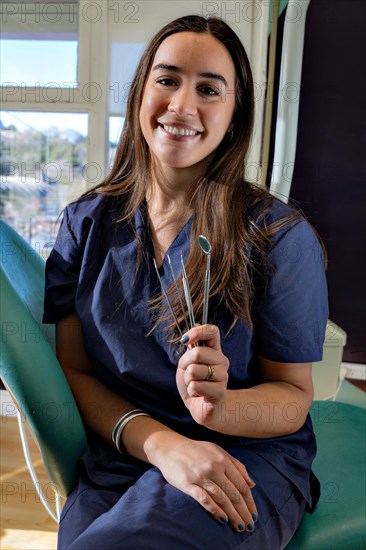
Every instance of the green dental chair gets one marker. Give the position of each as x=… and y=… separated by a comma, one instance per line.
x=30, y=371
x=339, y=520
x=34, y=378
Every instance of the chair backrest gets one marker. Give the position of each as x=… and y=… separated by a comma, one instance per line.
x=25, y=269
x=28, y=365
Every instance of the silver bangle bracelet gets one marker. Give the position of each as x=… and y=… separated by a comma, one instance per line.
x=122, y=423
x=122, y=426
x=120, y=420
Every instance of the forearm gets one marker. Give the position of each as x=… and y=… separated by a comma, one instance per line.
x=99, y=406
x=277, y=405
x=100, y=409
x=266, y=410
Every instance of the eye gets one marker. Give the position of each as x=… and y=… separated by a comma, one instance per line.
x=209, y=91
x=166, y=81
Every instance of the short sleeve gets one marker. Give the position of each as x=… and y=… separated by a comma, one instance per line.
x=63, y=268
x=294, y=311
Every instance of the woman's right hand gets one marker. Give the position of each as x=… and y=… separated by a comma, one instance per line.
x=215, y=479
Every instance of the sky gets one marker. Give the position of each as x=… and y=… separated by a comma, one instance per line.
x=38, y=61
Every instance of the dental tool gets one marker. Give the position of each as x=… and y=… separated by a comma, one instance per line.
x=205, y=246
x=187, y=293
x=167, y=299
x=178, y=291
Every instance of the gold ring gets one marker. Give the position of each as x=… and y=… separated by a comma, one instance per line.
x=210, y=373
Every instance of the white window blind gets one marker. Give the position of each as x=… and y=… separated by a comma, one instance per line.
x=39, y=20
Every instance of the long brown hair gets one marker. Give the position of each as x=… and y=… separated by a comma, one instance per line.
x=223, y=202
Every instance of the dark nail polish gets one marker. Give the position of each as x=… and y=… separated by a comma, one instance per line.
x=254, y=516
x=252, y=483
x=250, y=526
x=224, y=519
x=184, y=339
x=241, y=526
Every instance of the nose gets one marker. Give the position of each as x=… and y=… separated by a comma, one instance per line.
x=183, y=101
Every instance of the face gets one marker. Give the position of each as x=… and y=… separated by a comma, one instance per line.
x=188, y=101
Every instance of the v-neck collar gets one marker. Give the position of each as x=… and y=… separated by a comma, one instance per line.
x=180, y=241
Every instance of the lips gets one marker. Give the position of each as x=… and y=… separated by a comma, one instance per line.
x=179, y=130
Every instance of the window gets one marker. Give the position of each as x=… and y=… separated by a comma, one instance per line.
x=43, y=166
x=115, y=129
x=44, y=152
x=66, y=70
x=124, y=60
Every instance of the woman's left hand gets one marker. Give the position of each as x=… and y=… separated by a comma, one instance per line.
x=204, y=398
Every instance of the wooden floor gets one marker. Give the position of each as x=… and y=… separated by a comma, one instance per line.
x=24, y=522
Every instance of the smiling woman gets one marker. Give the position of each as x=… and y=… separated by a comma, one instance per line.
x=202, y=437
x=186, y=110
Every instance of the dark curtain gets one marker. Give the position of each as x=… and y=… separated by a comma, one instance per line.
x=329, y=179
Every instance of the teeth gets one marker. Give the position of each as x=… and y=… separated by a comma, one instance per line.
x=180, y=131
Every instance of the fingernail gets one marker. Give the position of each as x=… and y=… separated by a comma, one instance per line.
x=184, y=339
x=241, y=526
x=250, y=526
x=254, y=516
x=252, y=483
x=224, y=519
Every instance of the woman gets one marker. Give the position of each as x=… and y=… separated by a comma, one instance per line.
x=199, y=438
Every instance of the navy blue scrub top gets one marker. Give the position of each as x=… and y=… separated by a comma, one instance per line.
x=92, y=272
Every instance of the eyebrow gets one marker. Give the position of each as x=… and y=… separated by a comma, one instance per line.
x=176, y=69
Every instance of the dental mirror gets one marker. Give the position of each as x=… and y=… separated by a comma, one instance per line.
x=204, y=244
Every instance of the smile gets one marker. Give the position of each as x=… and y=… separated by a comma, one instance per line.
x=180, y=131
